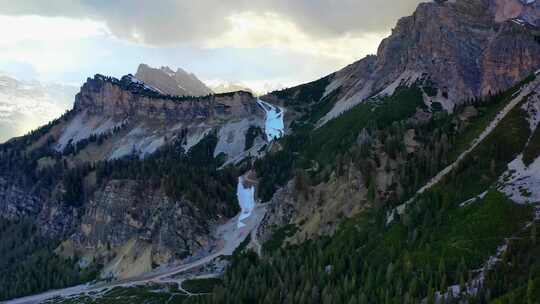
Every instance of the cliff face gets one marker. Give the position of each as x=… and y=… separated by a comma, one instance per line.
x=126, y=97
x=143, y=120
x=465, y=48
x=126, y=212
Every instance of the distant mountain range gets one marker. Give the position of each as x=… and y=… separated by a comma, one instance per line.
x=26, y=105
x=226, y=87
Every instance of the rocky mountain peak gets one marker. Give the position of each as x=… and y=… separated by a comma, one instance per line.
x=465, y=48
x=179, y=83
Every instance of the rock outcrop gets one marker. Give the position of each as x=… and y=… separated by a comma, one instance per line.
x=125, y=211
x=16, y=203
x=125, y=97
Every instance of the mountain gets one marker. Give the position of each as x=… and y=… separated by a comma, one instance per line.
x=227, y=87
x=26, y=105
x=117, y=141
x=466, y=49
x=410, y=176
x=179, y=83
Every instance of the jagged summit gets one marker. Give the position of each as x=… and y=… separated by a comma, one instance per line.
x=465, y=49
x=180, y=83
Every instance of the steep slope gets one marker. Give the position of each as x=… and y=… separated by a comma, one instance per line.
x=179, y=83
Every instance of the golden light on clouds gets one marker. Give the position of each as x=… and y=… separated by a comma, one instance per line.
x=271, y=30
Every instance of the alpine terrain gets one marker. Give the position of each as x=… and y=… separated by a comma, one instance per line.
x=409, y=176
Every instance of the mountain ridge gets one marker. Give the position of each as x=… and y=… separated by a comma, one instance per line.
x=443, y=119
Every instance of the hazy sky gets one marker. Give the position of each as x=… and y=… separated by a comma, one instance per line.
x=254, y=41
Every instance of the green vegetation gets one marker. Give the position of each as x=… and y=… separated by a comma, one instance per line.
x=153, y=294
x=516, y=279
x=436, y=107
x=305, y=94
x=430, y=90
x=433, y=245
x=488, y=109
x=28, y=264
x=323, y=143
x=251, y=134
x=532, y=151
x=367, y=262
x=318, y=150
x=199, y=286
x=192, y=176
x=278, y=237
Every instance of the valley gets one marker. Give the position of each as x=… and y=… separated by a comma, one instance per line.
x=409, y=176
x=228, y=236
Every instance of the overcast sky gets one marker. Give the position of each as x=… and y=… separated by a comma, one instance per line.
x=257, y=42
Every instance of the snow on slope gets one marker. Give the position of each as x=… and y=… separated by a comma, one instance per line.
x=521, y=183
x=82, y=126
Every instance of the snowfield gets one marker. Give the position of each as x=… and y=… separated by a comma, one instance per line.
x=521, y=183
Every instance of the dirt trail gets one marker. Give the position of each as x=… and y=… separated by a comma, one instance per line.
x=232, y=238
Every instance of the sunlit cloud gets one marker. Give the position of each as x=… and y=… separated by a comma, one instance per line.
x=47, y=29
x=49, y=44
x=271, y=30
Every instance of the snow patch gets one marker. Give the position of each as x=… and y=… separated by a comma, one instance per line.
x=347, y=103
x=521, y=183
x=232, y=137
x=139, y=82
x=140, y=142
x=406, y=78
x=473, y=200
x=246, y=199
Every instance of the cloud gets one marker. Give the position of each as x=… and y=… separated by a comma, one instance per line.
x=270, y=30
x=278, y=41
x=45, y=29
x=47, y=44
x=185, y=21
